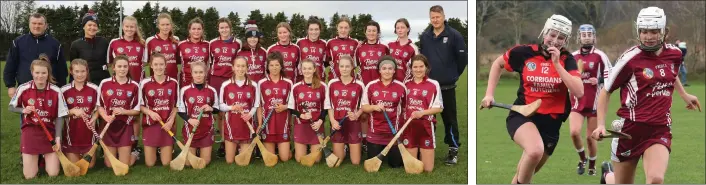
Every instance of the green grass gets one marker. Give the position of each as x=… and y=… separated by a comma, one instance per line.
x=497, y=154
x=219, y=172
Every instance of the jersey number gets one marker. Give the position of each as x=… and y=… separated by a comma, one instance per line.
x=545, y=70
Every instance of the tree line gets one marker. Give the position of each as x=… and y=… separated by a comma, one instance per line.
x=65, y=22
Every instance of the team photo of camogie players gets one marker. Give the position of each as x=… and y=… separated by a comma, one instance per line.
x=181, y=97
x=634, y=139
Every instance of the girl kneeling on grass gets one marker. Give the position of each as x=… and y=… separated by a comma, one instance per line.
x=306, y=103
x=80, y=96
x=39, y=96
x=344, y=94
x=193, y=99
x=274, y=90
x=239, y=101
x=158, y=99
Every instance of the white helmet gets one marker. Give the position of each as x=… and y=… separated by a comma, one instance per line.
x=558, y=23
x=651, y=18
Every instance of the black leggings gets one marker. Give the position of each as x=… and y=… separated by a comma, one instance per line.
x=393, y=158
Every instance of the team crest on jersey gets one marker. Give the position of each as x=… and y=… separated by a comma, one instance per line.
x=187, y=50
x=30, y=101
x=129, y=94
x=353, y=94
x=335, y=48
x=218, y=50
x=49, y=102
x=169, y=92
x=232, y=50
x=261, y=58
x=90, y=99
x=110, y=92
x=379, y=53
x=318, y=95
x=394, y=94
x=203, y=50
x=335, y=92
x=405, y=142
x=231, y=95
x=364, y=54
x=590, y=65
x=120, y=50
x=247, y=94
x=70, y=100
x=151, y=92
x=427, y=142
x=191, y=100
x=268, y=92
x=158, y=49
x=351, y=48
x=531, y=66
x=405, y=54
x=424, y=93
x=321, y=50
x=306, y=50
x=446, y=39
x=301, y=95
x=376, y=93
x=138, y=49
x=648, y=73
x=173, y=46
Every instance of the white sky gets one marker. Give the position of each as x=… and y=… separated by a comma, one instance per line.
x=384, y=12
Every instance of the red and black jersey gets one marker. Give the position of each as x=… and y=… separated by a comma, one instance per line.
x=167, y=48
x=314, y=51
x=291, y=55
x=77, y=133
x=367, y=56
x=403, y=56
x=223, y=52
x=539, y=79
x=646, y=83
x=337, y=47
x=134, y=51
x=256, y=59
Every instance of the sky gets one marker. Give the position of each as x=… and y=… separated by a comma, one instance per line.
x=384, y=12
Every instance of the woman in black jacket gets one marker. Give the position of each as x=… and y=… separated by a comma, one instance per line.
x=91, y=48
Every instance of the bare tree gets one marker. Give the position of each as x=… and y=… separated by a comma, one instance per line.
x=519, y=13
x=484, y=12
x=9, y=15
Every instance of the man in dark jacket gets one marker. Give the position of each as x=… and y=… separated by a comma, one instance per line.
x=446, y=50
x=27, y=48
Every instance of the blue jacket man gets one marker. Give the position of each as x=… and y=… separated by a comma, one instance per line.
x=445, y=49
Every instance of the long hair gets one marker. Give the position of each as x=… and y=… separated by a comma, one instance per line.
x=247, y=78
x=420, y=57
x=316, y=79
x=43, y=61
x=154, y=56
x=138, y=33
x=171, y=32
x=350, y=60
x=285, y=25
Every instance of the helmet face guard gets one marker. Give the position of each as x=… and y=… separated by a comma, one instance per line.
x=651, y=18
x=558, y=23
x=586, y=36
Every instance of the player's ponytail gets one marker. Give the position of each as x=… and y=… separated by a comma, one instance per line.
x=43, y=61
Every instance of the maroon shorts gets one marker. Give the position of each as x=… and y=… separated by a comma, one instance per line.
x=155, y=136
x=118, y=134
x=304, y=134
x=419, y=134
x=643, y=136
x=349, y=134
x=236, y=131
x=586, y=112
x=75, y=149
x=275, y=138
x=216, y=82
x=200, y=142
x=379, y=138
x=34, y=141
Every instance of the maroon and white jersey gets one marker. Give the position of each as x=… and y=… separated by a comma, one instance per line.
x=190, y=52
x=337, y=47
x=367, y=56
x=167, y=48
x=113, y=95
x=403, y=56
x=77, y=133
x=256, y=59
x=223, y=52
x=392, y=96
x=49, y=103
x=238, y=93
x=422, y=96
x=304, y=98
x=314, y=51
x=344, y=98
x=646, y=84
x=134, y=51
x=595, y=64
x=158, y=97
x=190, y=98
x=271, y=94
x=291, y=55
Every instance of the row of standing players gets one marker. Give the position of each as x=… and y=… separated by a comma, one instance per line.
x=119, y=100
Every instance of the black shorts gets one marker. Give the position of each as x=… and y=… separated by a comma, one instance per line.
x=547, y=126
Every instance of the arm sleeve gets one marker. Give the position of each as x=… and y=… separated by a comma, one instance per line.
x=461, y=53
x=73, y=51
x=256, y=103
x=294, y=112
x=570, y=65
x=515, y=58
x=621, y=73
x=59, y=126
x=183, y=116
x=9, y=74
x=15, y=109
x=323, y=114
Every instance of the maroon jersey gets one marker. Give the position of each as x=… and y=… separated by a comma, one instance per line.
x=223, y=53
x=256, y=62
x=595, y=64
x=367, y=56
x=191, y=98
x=245, y=95
x=335, y=48
x=134, y=51
x=392, y=96
x=344, y=98
x=168, y=49
x=403, y=56
x=539, y=79
x=305, y=99
x=77, y=133
x=190, y=52
x=49, y=103
x=314, y=51
x=646, y=84
x=290, y=53
x=113, y=95
x=158, y=97
x=422, y=96
x=271, y=94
